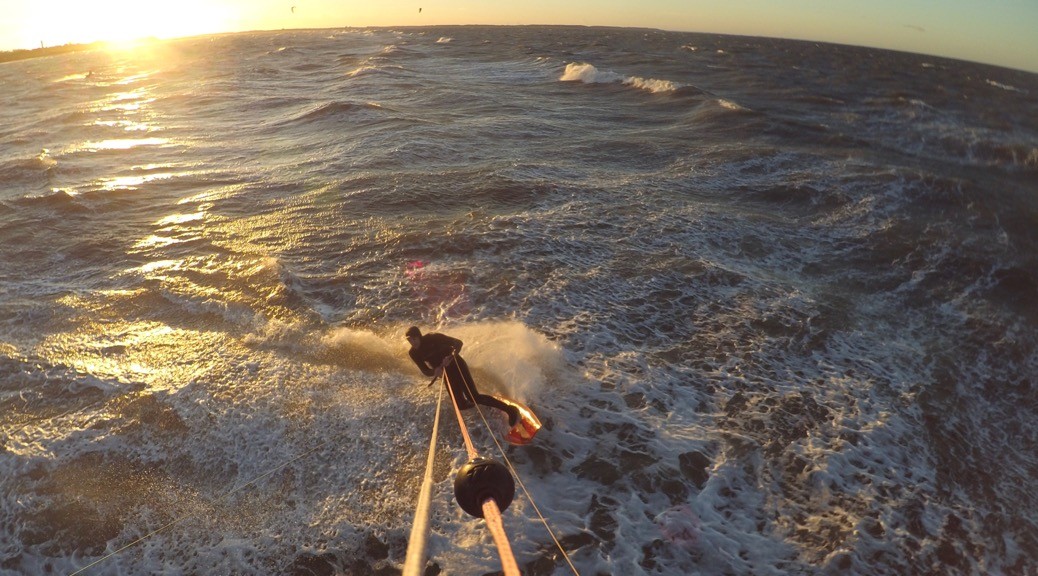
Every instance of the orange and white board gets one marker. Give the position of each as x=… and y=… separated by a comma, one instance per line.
x=527, y=426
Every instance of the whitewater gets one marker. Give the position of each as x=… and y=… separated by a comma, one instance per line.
x=774, y=302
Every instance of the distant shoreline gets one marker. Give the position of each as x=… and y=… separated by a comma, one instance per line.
x=23, y=54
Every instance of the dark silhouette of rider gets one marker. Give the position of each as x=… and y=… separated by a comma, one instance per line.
x=438, y=353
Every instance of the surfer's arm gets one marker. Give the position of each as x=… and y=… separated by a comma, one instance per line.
x=420, y=363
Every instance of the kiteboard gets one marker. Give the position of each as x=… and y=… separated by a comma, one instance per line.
x=527, y=426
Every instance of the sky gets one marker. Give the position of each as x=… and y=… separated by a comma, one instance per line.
x=1001, y=32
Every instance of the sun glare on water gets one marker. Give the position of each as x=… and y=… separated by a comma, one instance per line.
x=123, y=23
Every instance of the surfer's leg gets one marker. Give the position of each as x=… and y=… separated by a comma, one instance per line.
x=456, y=381
x=465, y=381
x=512, y=411
x=470, y=387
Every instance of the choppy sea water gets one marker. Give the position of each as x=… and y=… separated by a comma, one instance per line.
x=775, y=302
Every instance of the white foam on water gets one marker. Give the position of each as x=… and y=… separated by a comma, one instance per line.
x=589, y=74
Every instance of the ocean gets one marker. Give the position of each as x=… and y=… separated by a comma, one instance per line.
x=775, y=303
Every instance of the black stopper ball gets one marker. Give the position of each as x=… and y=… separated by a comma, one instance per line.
x=482, y=478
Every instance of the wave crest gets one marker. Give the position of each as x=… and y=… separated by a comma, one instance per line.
x=589, y=74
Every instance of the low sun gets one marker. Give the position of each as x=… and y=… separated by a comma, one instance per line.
x=121, y=21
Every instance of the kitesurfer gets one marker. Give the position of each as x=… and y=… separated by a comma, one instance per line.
x=438, y=353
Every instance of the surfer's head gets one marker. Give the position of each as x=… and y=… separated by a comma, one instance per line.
x=413, y=334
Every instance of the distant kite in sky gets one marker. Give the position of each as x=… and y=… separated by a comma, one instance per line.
x=419, y=10
x=293, y=9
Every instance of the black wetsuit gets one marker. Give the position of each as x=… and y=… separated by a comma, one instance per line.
x=429, y=354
